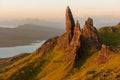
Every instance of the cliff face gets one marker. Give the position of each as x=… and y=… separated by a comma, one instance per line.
x=75, y=41
x=90, y=35
x=70, y=24
x=80, y=40
x=70, y=41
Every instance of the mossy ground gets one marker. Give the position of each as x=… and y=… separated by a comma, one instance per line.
x=110, y=38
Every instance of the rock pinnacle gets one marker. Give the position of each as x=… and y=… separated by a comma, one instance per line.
x=70, y=24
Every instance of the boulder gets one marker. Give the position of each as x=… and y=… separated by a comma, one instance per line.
x=104, y=54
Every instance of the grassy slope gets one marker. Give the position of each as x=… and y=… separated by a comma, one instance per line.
x=110, y=38
x=8, y=61
x=51, y=66
x=91, y=71
x=86, y=69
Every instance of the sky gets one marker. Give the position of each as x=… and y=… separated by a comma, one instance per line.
x=48, y=9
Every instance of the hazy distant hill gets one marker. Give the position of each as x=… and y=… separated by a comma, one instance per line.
x=16, y=22
x=99, y=21
x=25, y=34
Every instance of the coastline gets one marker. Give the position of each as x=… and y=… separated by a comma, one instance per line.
x=20, y=43
x=12, y=51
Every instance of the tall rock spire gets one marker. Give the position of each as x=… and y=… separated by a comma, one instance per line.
x=90, y=35
x=70, y=24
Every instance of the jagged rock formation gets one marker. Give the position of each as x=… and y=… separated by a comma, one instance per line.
x=75, y=41
x=70, y=24
x=71, y=39
x=49, y=44
x=104, y=54
x=54, y=59
x=79, y=40
x=90, y=35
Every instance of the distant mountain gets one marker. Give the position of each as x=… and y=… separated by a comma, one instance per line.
x=25, y=34
x=77, y=54
x=99, y=21
x=15, y=22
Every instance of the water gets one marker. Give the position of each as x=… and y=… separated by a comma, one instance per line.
x=12, y=51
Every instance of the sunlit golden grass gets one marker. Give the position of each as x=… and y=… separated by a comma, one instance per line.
x=91, y=71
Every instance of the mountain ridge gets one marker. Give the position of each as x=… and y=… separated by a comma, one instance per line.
x=25, y=34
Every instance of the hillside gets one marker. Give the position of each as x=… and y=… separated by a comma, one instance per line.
x=77, y=54
x=8, y=61
x=110, y=35
x=13, y=23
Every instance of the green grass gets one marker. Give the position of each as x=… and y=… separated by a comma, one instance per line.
x=8, y=61
x=92, y=71
x=110, y=38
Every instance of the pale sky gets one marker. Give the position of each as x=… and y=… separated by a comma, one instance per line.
x=45, y=9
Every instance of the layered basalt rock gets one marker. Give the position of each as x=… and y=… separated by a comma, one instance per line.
x=71, y=39
x=104, y=54
x=70, y=24
x=75, y=41
x=90, y=36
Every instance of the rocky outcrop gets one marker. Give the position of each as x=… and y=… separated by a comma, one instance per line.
x=90, y=36
x=104, y=54
x=75, y=41
x=47, y=46
x=77, y=33
x=118, y=23
x=70, y=24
